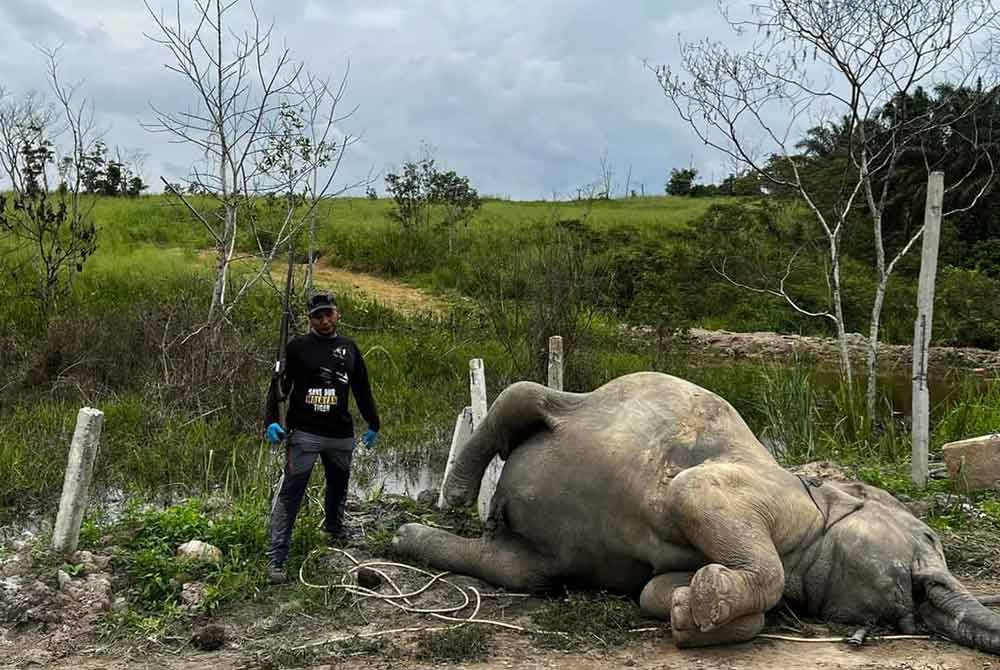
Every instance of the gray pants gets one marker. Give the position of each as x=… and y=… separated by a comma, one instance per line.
x=301, y=451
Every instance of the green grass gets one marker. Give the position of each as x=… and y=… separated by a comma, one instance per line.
x=152, y=219
x=976, y=411
x=586, y=620
x=146, y=540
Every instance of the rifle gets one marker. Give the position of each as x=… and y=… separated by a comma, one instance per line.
x=273, y=409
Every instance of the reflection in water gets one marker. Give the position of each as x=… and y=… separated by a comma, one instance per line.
x=399, y=481
x=895, y=388
x=404, y=471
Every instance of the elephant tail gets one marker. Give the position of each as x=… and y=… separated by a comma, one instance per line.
x=521, y=411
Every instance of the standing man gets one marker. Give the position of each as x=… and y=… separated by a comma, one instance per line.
x=321, y=367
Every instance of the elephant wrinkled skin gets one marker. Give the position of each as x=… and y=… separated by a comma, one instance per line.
x=653, y=486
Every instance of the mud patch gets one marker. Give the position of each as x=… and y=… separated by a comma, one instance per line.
x=280, y=628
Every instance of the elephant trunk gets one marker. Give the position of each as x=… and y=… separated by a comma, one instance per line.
x=950, y=610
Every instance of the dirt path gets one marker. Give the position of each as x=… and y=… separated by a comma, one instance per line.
x=394, y=294
x=512, y=651
x=412, y=300
x=722, y=344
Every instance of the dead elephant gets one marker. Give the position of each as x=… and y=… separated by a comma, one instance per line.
x=653, y=486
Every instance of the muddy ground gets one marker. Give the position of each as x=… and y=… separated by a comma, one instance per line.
x=278, y=630
x=61, y=621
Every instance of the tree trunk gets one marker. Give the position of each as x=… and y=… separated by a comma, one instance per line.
x=838, y=309
x=871, y=363
x=216, y=312
x=312, y=251
x=219, y=288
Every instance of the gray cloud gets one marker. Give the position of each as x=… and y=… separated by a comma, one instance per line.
x=524, y=97
x=38, y=22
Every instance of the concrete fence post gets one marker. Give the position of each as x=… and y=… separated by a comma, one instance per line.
x=461, y=435
x=76, y=483
x=922, y=327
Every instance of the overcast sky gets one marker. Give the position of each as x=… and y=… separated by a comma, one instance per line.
x=522, y=96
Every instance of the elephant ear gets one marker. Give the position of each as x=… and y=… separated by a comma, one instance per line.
x=865, y=492
x=833, y=503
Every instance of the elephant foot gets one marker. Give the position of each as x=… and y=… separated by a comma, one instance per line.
x=457, y=495
x=716, y=595
x=657, y=596
x=407, y=540
x=688, y=633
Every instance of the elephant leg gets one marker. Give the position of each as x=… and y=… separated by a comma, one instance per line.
x=502, y=559
x=657, y=596
x=722, y=510
x=520, y=411
x=686, y=632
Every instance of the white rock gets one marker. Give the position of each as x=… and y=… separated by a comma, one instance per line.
x=974, y=463
x=200, y=551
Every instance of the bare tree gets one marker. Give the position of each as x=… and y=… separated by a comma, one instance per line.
x=51, y=229
x=131, y=163
x=21, y=119
x=246, y=92
x=607, y=180
x=322, y=146
x=810, y=61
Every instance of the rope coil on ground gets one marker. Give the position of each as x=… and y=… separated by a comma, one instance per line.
x=442, y=613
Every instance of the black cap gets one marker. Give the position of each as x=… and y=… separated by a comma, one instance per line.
x=320, y=301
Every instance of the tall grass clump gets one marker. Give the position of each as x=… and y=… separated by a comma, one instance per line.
x=975, y=411
x=788, y=406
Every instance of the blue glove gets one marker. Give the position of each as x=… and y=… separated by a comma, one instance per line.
x=369, y=438
x=274, y=433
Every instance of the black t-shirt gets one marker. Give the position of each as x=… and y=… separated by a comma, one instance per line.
x=319, y=372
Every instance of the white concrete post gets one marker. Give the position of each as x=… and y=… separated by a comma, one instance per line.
x=477, y=389
x=76, y=483
x=922, y=327
x=556, y=363
x=463, y=431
